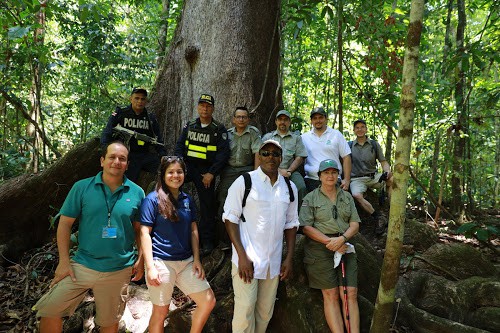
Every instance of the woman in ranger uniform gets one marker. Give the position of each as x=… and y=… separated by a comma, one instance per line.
x=328, y=218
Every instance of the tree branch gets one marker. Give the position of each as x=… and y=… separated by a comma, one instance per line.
x=18, y=105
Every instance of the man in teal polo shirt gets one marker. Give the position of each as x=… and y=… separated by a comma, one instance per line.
x=107, y=206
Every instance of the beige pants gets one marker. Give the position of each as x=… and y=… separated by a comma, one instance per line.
x=253, y=303
x=109, y=288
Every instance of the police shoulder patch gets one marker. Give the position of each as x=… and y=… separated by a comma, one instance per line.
x=224, y=136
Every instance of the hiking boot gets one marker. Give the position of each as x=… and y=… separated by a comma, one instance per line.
x=381, y=225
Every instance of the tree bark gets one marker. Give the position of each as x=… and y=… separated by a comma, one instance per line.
x=457, y=176
x=385, y=298
x=28, y=202
x=234, y=57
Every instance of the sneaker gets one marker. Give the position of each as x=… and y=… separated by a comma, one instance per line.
x=381, y=225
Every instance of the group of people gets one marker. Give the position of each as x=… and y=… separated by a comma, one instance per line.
x=262, y=197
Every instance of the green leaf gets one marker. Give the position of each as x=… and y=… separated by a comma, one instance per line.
x=466, y=227
x=18, y=32
x=482, y=235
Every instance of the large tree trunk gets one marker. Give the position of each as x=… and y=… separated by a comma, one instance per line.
x=385, y=298
x=234, y=56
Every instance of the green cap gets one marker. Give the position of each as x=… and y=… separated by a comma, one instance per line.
x=328, y=164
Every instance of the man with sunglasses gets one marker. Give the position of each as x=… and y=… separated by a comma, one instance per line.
x=294, y=151
x=258, y=239
x=204, y=146
x=244, y=142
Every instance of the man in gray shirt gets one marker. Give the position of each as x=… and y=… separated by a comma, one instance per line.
x=364, y=175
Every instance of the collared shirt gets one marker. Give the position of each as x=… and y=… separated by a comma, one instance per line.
x=244, y=146
x=268, y=212
x=169, y=240
x=364, y=158
x=292, y=146
x=87, y=201
x=329, y=145
x=221, y=155
x=317, y=211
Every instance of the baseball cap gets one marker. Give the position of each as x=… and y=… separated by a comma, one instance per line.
x=138, y=90
x=318, y=110
x=285, y=112
x=328, y=164
x=272, y=142
x=359, y=121
x=207, y=99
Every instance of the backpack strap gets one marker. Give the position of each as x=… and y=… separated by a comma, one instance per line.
x=290, y=191
x=248, y=187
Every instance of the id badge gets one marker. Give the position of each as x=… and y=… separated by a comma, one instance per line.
x=140, y=143
x=108, y=232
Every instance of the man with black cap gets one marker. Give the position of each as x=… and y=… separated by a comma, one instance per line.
x=294, y=151
x=364, y=175
x=205, y=148
x=257, y=239
x=147, y=147
x=322, y=143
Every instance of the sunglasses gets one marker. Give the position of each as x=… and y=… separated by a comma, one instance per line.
x=334, y=212
x=171, y=159
x=267, y=153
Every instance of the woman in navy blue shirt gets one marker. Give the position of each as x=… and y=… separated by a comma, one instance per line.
x=170, y=246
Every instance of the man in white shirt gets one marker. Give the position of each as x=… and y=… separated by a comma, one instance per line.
x=322, y=143
x=258, y=239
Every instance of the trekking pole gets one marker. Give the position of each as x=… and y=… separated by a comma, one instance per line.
x=346, y=305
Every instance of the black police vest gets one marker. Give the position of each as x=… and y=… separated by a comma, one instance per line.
x=201, y=143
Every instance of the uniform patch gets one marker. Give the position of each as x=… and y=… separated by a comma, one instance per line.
x=224, y=136
x=304, y=204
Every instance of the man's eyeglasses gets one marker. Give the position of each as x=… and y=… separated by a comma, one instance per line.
x=241, y=117
x=334, y=212
x=267, y=153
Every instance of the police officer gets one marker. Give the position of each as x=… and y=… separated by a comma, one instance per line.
x=205, y=148
x=135, y=117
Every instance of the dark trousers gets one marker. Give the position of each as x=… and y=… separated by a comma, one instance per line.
x=208, y=208
x=142, y=161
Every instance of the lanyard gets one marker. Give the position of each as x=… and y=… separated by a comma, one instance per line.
x=107, y=205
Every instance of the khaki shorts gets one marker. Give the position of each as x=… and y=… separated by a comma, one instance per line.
x=322, y=275
x=109, y=288
x=361, y=184
x=175, y=273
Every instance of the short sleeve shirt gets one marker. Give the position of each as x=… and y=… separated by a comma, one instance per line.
x=244, y=146
x=292, y=146
x=90, y=200
x=170, y=240
x=364, y=157
x=317, y=211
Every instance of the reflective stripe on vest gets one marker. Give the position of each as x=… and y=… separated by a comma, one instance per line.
x=196, y=155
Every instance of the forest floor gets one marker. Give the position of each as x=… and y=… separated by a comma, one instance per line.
x=23, y=283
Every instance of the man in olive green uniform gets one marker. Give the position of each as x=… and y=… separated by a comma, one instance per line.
x=244, y=141
x=294, y=151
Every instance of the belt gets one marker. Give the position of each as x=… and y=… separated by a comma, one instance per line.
x=338, y=234
x=371, y=175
